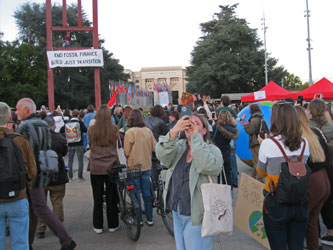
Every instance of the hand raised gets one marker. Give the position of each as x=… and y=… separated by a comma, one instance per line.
x=182, y=124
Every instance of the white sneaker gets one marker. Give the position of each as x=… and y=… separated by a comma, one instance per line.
x=149, y=222
x=98, y=231
x=111, y=230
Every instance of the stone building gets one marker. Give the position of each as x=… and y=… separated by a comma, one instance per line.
x=174, y=76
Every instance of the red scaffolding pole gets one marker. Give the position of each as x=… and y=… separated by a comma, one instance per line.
x=65, y=27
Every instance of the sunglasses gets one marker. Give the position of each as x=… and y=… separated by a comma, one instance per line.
x=284, y=103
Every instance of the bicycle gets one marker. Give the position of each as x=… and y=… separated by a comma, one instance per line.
x=128, y=204
x=158, y=202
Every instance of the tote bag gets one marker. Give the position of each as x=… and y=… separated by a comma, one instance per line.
x=120, y=152
x=217, y=201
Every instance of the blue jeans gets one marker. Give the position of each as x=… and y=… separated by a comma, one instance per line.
x=285, y=226
x=142, y=184
x=17, y=213
x=233, y=163
x=85, y=140
x=79, y=151
x=187, y=236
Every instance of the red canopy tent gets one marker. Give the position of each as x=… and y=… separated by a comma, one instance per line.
x=323, y=86
x=272, y=91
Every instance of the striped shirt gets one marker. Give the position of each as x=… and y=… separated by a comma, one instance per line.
x=271, y=157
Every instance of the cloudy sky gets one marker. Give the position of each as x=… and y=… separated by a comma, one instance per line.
x=149, y=33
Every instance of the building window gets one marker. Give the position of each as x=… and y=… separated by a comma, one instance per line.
x=174, y=80
x=175, y=96
x=137, y=81
x=149, y=80
x=161, y=80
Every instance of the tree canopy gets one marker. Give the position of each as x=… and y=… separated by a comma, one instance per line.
x=23, y=62
x=229, y=58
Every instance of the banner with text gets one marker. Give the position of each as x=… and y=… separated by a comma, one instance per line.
x=75, y=58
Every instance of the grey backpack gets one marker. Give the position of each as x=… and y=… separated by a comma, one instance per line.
x=47, y=159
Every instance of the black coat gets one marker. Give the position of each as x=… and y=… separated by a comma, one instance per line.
x=223, y=135
x=157, y=126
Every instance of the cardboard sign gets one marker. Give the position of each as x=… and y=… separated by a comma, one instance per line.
x=75, y=58
x=186, y=99
x=259, y=95
x=248, y=212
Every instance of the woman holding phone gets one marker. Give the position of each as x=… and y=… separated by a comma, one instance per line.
x=190, y=161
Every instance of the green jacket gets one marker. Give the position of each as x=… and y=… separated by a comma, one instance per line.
x=207, y=160
x=123, y=124
x=252, y=129
x=327, y=129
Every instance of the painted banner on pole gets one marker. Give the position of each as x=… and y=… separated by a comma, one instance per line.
x=75, y=58
x=248, y=213
x=164, y=98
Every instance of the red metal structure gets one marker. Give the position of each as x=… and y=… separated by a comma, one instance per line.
x=65, y=27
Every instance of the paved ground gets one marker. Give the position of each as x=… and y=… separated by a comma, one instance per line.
x=78, y=204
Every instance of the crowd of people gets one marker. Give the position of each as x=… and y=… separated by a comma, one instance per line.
x=192, y=147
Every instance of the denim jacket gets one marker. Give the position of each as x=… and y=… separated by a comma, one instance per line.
x=206, y=160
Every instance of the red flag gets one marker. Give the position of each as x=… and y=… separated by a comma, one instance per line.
x=128, y=98
x=112, y=100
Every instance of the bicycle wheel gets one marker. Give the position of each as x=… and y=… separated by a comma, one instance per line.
x=166, y=214
x=130, y=216
x=168, y=220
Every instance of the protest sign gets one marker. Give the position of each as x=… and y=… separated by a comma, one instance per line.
x=248, y=212
x=186, y=99
x=75, y=58
x=164, y=98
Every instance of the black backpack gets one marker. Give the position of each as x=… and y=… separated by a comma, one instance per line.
x=12, y=171
x=294, y=179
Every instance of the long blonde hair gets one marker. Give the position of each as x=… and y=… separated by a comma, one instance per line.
x=316, y=151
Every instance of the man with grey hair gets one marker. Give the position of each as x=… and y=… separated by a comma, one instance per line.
x=56, y=188
x=15, y=207
x=31, y=127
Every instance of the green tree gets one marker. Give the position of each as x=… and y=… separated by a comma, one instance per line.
x=21, y=72
x=228, y=57
x=74, y=87
x=292, y=82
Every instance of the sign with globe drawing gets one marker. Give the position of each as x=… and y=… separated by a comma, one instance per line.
x=248, y=213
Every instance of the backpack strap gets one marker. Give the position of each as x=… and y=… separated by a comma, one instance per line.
x=299, y=158
x=260, y=129
x=322, y=134
x=11, y=136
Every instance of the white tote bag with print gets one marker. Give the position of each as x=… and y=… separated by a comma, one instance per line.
x=218, y=216
x=120, y=152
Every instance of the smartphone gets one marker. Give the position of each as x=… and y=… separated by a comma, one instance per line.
x=262, y=135
x=213, y=115
x=186, y=110
x=300, y=99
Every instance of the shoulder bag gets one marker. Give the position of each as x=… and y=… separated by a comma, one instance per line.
x=217, y=201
